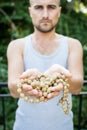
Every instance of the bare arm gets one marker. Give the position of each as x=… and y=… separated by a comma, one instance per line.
x=74, y=72
x=75, y=66
x=15, y=65
x=16, y=69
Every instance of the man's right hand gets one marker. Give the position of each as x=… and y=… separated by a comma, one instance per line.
x=27, y=89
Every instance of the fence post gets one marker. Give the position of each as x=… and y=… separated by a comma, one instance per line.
x=3, y=113
x=80, y=112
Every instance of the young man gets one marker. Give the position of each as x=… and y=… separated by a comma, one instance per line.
x=46, y=52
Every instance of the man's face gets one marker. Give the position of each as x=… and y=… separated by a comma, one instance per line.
x=44, y=14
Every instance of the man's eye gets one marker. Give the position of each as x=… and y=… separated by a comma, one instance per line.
x=38, y=7
x=52, y=7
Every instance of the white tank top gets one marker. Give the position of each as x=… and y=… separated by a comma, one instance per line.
x=45, y=115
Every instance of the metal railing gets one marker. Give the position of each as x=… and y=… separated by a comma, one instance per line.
x=2, y=98
x=3, y=108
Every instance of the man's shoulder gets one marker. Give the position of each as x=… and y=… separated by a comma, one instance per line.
x=18, y=42
x=74, y=43
x=16, y=45
x=70, y=39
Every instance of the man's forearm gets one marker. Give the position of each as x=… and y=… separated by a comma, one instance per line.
x=76, y=83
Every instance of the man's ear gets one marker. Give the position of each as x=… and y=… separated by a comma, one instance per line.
x=29, y=9
x=60, y=8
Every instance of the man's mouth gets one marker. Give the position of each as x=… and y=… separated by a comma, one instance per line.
x=45, y=21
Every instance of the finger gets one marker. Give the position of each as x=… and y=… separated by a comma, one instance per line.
x=30, y=73
x=66, y=73
x=26, y=87
x=26, y=74
x=39, y=94
x=31, y=93
x=34, y=93
x=47, y=72
x=52, y=95
x=59, y=87
x=60, y=69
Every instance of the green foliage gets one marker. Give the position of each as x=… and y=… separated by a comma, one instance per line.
x=15, y=22
x=76, y=106
x=10, y=107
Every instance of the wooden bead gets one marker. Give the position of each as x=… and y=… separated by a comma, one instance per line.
x=22, y=95
x=19, y=90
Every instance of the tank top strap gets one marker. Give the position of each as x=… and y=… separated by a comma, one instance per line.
x=64, y=44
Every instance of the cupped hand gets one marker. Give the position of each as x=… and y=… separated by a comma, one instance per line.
x=27, y=89
x=54, y=91
x=60, y=70
x=56, y=68
x=30, y=74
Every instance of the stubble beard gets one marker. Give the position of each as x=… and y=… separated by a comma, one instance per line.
x=45, y=29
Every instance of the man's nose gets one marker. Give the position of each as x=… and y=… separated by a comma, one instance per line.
x=45, y=13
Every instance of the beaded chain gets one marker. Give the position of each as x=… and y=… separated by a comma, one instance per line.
x=43, y=83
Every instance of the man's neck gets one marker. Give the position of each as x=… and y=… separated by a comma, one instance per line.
x=44, y=38
x=45, y=43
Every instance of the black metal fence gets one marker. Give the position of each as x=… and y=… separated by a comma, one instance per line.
x=4, y=96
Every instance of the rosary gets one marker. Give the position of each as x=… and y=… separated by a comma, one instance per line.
x=44, y=83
